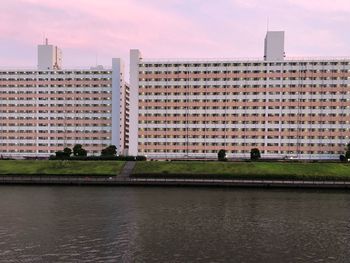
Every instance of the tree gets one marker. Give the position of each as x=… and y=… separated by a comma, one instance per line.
x=60, y=155
x=76, y=149
x=255, y=154
x=222, y=155
x=67, y=151
x=82, y=152
x=342, y=158
x=63, y=155
x=347, y=151
x=79, y=151
x=109, y=151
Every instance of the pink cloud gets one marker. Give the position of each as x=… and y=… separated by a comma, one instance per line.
x=87, y=23
x=172, y=28
x=109, y=28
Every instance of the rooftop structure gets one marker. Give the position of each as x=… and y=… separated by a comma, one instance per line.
x=49, y=57
x=274, y=46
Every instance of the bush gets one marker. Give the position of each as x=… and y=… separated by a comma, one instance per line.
x=222, y=155
x=109, y=151
x=342, y=158
x=82, y=152
x=141, y=158
x=67, y=151
x=78, y=150
x=61, y=155
x=102, y=158
x=255, y=154
x=127, y=158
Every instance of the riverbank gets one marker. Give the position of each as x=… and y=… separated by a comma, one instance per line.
x=118, y=181
x=45, y=167
x=182, y=169
x=244, y=170
x=233, y=174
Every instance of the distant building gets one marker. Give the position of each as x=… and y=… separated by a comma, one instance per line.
x=288, y=108
x=46, y=109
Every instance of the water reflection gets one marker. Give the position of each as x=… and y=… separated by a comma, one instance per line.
x=106, y=224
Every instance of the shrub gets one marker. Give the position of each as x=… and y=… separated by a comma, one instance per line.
x=141, y=158
x=255, y=154
x=222, y=155
x=127, y=158
x=61, y=155
x=67, y=151
x=109, y=151
x=81, y=157
x=78, y=150
x=342, y=158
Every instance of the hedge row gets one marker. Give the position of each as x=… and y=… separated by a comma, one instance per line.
x=101, y=158
x=243, y=176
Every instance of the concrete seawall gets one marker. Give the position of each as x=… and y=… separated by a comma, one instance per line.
x=115, y=181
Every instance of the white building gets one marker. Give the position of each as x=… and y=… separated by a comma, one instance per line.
x=46, y=109
x=287, y=108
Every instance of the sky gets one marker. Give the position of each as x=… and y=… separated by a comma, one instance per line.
x=91, y=32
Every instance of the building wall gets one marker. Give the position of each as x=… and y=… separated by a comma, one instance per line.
x=120, y=107
x=274, y=46
x=117, y=131
x=44, y=111
x=287, y=109
x=49, y=57
x=126, y=119
x=135, y=57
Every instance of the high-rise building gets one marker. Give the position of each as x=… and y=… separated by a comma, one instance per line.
x=46, y=109
x=287, y=108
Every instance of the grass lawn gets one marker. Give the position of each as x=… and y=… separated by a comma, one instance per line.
x=44, y=167
x=244, y=170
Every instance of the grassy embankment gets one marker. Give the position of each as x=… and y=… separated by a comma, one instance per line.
x=43, y=167
x=244, y=170
x=228, y=170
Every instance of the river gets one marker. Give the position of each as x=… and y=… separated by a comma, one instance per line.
x=154, y=224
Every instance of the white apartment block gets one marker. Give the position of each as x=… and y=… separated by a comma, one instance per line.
x=288, y=108
x=46, y=109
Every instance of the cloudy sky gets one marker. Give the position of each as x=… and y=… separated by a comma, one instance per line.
x=90, y=30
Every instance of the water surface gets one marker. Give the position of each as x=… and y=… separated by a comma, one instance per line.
x=135, y=224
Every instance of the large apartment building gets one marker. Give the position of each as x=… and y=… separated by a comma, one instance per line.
x=46, y=109
x=287, y=108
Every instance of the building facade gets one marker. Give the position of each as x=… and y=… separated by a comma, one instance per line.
x=44, y=110
x=287, y=108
